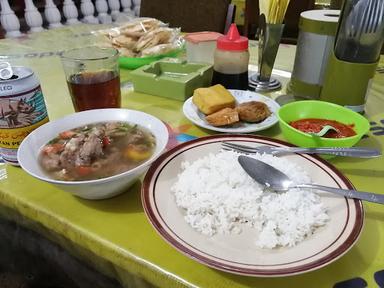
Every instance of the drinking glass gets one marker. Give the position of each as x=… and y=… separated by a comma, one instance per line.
x=92, y=75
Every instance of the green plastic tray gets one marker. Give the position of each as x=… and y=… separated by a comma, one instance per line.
x=132, y=63
x=175, y=80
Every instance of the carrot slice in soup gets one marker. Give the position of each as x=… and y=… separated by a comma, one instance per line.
x=53, y=148
x=67, y=134
x=83, y=170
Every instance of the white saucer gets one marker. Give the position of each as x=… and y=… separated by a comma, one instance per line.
x=193, y=114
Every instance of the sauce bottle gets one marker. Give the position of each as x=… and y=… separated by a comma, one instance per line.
x=231, y=58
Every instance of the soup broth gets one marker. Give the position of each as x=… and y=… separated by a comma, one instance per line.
x=96, y=151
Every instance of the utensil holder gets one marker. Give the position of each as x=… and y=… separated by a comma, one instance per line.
x=317, y=30
x=360, y=33
x=269, y=41
x=347, y=83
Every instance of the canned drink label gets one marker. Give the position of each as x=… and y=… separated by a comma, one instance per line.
x=20, y=114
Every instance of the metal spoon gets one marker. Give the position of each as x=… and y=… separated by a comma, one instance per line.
x=323, y=131
x=272, y=178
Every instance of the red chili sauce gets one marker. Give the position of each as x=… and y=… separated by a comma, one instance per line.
x=313, y=125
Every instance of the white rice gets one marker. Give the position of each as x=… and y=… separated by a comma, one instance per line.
x=218, y=196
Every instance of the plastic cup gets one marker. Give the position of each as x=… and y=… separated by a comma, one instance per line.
x=92, y=75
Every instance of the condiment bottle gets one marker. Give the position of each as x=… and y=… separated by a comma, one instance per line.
x=201, y=46
x=231, y=59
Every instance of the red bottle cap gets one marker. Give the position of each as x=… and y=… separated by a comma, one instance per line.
x=232, y=40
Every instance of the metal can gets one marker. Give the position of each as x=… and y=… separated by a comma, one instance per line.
x=22, y=109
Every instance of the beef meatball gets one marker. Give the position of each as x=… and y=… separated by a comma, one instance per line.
x=253, y=111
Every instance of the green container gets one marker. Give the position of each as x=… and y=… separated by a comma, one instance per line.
x=175, y=80
x=132, y=63
x=347, y=83
x=322, y=110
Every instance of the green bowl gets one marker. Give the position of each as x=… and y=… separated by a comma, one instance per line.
x=132, y=63
x=323, y=110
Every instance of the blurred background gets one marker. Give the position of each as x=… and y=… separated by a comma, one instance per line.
x=245, y=17
x=246, y=14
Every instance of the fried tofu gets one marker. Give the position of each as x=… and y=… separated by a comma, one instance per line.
x=212, y=99
x=223, y=117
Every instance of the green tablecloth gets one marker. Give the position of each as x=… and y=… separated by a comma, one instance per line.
x=115, y=236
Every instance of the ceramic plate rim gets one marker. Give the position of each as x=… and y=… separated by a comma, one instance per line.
x=343, y=248
x=252, y=127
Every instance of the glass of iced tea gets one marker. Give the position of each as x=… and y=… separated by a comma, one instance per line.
x=92, y=75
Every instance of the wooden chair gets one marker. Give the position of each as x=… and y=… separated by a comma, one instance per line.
x=191, y=15
x=291, y=18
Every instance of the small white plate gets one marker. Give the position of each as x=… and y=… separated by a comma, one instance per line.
x=193, y=114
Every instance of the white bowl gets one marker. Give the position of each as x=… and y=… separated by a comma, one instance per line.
x=91, y=189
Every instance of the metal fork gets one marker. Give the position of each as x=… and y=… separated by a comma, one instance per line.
x=368, y=24
x=359, y=152
x=377, y=17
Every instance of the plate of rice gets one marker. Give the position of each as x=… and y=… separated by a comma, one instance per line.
x=200, y=200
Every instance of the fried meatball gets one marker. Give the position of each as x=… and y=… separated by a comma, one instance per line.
x=253, y=111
